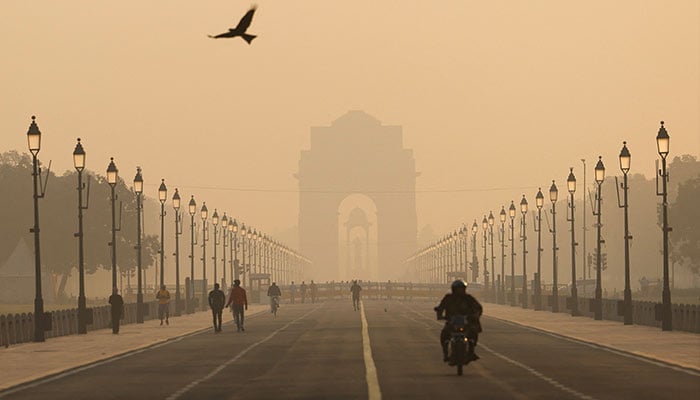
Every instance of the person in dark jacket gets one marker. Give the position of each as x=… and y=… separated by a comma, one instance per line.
x=302, y=289
x=355, y=289
x=459, y=302
x=217, y=298
x=117, y=311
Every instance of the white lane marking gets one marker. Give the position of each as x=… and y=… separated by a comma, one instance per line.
x=373, y=390
x=234, y=359
x=531, y=370
x=599, y=347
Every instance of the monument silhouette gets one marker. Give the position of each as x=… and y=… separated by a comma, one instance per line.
x=357, y=183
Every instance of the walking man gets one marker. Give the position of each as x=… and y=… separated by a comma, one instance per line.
x=238, y=301
x=302, y=289
x=292, y=292
x=163, y=297
x=117, y=311
x=314, y=291
x=355, y=290
x=217, y=298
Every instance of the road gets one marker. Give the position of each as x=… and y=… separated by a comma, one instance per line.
x=318, y=351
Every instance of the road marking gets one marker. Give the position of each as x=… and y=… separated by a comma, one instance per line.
x=531, y=370
x=234, y=359
x=373, y=391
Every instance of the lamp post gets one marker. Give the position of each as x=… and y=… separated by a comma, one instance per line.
x=138, y=189
x=234, y=248
x=599, y=177
x=523, y=237
x=511, y=214
x=112, y=174
x=571, y=186
x=215, y=222
x=244, y=233
x=224, y=234
x=539, y=203
x=491, y=221
x=662, y=144
x=625, y=163
x=162, y=196
x=192, y=208
x=553, y=196
x=178, y=232
x=79, y=164
x=502, y=239
x=475, y=260
x=204, y=213
x=464, y=234
x=484, y=226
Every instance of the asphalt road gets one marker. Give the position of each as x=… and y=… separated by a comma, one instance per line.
x=315, y=351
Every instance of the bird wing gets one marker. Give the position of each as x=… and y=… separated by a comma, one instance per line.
x=244, y=23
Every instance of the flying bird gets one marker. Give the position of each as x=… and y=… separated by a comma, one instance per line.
x=240, y=29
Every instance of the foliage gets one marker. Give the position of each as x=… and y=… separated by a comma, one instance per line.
x=685, y=220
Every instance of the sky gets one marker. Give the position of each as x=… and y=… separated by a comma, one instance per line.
x=495, y=98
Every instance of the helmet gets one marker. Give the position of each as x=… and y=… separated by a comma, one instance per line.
x=458, y=284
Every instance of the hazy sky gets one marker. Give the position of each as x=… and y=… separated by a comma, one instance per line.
x=497, y=94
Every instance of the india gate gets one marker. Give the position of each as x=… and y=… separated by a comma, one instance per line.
x=357, y=203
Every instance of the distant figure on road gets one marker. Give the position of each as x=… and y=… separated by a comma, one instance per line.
x=302, y=289
x=314, y=291
x=163, y=297
x=355, y=289
x=274, y=293
x=292, y=292
x=388, y=290
x=217, y=298
x=117, y=303
x=240, y=29
x=238, y=301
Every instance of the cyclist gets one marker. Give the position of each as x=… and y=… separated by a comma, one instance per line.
x=274, y=293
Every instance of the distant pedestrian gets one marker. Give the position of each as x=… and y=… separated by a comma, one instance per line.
x=302, y=289
x=217, y=298
x=355, y=289
x=389, y=287
x=163, y=297
x=314, y=291
x=117, y=311
x=292, y=292
x=238, y=301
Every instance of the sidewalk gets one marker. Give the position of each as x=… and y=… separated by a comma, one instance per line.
x=26, y=362
x=677, y=348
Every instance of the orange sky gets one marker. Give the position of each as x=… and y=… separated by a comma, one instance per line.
x=504, y=94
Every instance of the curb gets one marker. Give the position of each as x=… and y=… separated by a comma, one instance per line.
x=686, y=368
x=126, y=353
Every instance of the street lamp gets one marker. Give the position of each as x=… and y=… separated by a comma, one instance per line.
x=138, y=189
x=79, y=164
x=162, y=195
x=523, y=237
x=215, y=222
x=475, y=260
x=178, y=232
x=491, y=221
x=571, y=186
x=599, y=177
x=553, y=196
x=204, y=213
x=625, y=163
x=224, y=234
x=192, y=208
x=502, y=239
x=539, y=203
x=234, y=247
x=484, y=226
x=662, y=145
x=112, y=175
x=511, y=214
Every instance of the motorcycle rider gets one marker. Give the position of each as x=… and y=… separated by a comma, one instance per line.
x=459, y=302
x=274, y=293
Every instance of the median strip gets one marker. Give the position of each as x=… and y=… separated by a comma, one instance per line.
x=373, y=390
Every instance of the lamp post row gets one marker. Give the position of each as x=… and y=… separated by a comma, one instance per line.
x=432, y=270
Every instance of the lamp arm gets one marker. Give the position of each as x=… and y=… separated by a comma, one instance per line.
x=44, y=182
x=618, y=185
x=121, y=207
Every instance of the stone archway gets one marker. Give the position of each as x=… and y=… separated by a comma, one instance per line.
x=356, y=155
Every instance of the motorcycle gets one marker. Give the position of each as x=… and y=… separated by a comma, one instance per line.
x=461, y=342
x=274, y=305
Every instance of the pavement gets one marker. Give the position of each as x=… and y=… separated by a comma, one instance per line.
x=27, y=362
x=388, y=350
x=675, y=347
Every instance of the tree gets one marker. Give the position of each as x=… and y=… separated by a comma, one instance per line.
x=685, y=220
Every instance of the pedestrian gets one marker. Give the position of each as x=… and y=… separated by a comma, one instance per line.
x=355, y=290
x=117, y=311
x=163, y=297
x=238, y=301
x=314, y=291
x=302, y=289
x=388, y=290
x=217, y=298
x=292, y=292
